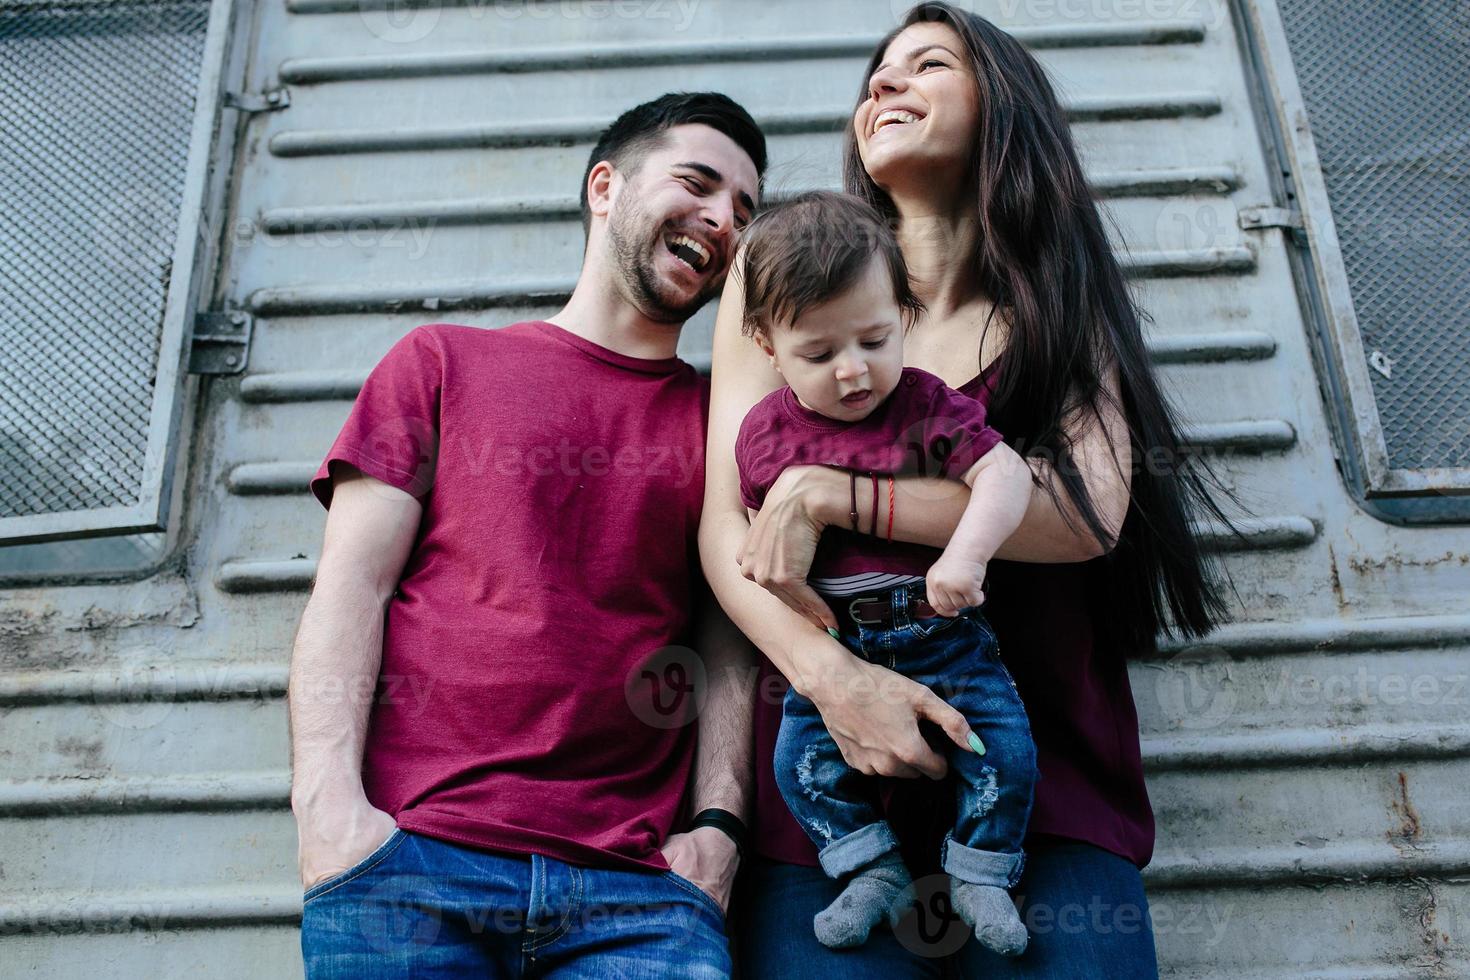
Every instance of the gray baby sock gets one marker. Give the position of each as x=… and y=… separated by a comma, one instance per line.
x=880, y=889
x=992, y=914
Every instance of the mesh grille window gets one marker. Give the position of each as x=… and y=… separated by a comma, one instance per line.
x=1387, y=90
x=97, y=109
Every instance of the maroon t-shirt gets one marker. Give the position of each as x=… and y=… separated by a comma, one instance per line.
x=923, y=427
x=1074, y=682
x=557, y=555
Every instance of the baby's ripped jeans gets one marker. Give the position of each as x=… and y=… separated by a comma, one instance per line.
x=958, y=658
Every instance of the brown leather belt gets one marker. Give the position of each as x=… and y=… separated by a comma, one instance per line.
x=870, y=610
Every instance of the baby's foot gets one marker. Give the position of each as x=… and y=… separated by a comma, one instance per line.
x=992, y=914
x=881, y=889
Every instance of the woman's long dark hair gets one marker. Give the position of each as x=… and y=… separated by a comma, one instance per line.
x=1044, y=260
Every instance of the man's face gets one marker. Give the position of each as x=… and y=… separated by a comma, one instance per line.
x=675, y=221
x=844, y=358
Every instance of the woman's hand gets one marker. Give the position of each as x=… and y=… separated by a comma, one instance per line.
x=873, y=714
x=783, y=537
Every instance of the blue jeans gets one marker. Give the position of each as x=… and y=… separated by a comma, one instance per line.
x=421, y=907
x=958, y=659
x=1084, y=908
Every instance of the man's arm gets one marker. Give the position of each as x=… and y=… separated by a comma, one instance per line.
x=371, y=528
x=724, y=773
x=724, y=767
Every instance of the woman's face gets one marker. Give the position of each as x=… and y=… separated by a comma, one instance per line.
x=922, y=113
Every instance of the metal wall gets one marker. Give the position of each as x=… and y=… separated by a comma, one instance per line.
x=1307, y=766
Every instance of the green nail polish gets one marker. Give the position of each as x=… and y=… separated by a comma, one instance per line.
x=835, y=635
x=976, y=744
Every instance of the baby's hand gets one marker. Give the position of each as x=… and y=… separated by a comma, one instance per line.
x=954, y=583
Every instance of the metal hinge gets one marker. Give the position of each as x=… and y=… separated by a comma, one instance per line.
x=1261, y=218
x=221, y=342
x=276, y=98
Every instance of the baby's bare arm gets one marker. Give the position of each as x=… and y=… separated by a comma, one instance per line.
x=1000, y=490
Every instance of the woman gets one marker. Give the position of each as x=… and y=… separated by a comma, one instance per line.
x=1027, y=309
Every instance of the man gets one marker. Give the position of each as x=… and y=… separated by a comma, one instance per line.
x=486, y=770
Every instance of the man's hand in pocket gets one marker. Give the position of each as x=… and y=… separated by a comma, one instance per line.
x=707, y=857
x=332, y=839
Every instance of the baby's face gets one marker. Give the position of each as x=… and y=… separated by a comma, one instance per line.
x=843, y=358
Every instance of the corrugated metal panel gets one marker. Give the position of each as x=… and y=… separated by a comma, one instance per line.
x=426, y=169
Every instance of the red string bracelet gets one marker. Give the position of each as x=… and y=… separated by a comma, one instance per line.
x=890, y=507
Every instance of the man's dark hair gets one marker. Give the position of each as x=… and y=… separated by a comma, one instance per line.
x=812, y=249
x=642, y=129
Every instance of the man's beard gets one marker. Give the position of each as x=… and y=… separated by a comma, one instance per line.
x=629, y=233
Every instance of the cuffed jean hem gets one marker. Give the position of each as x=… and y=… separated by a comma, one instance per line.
x=979, y=867
x=857, y=849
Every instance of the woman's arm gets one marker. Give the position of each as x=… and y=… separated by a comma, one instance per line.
x=871, y=712
x=927, y=509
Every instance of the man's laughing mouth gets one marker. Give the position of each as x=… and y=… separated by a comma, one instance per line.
x=691, y=252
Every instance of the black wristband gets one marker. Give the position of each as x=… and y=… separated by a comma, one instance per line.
x=724, y=820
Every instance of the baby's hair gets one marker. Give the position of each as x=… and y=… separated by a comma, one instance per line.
x=811, y=249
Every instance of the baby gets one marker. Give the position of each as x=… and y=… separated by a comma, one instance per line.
x=827, y=297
